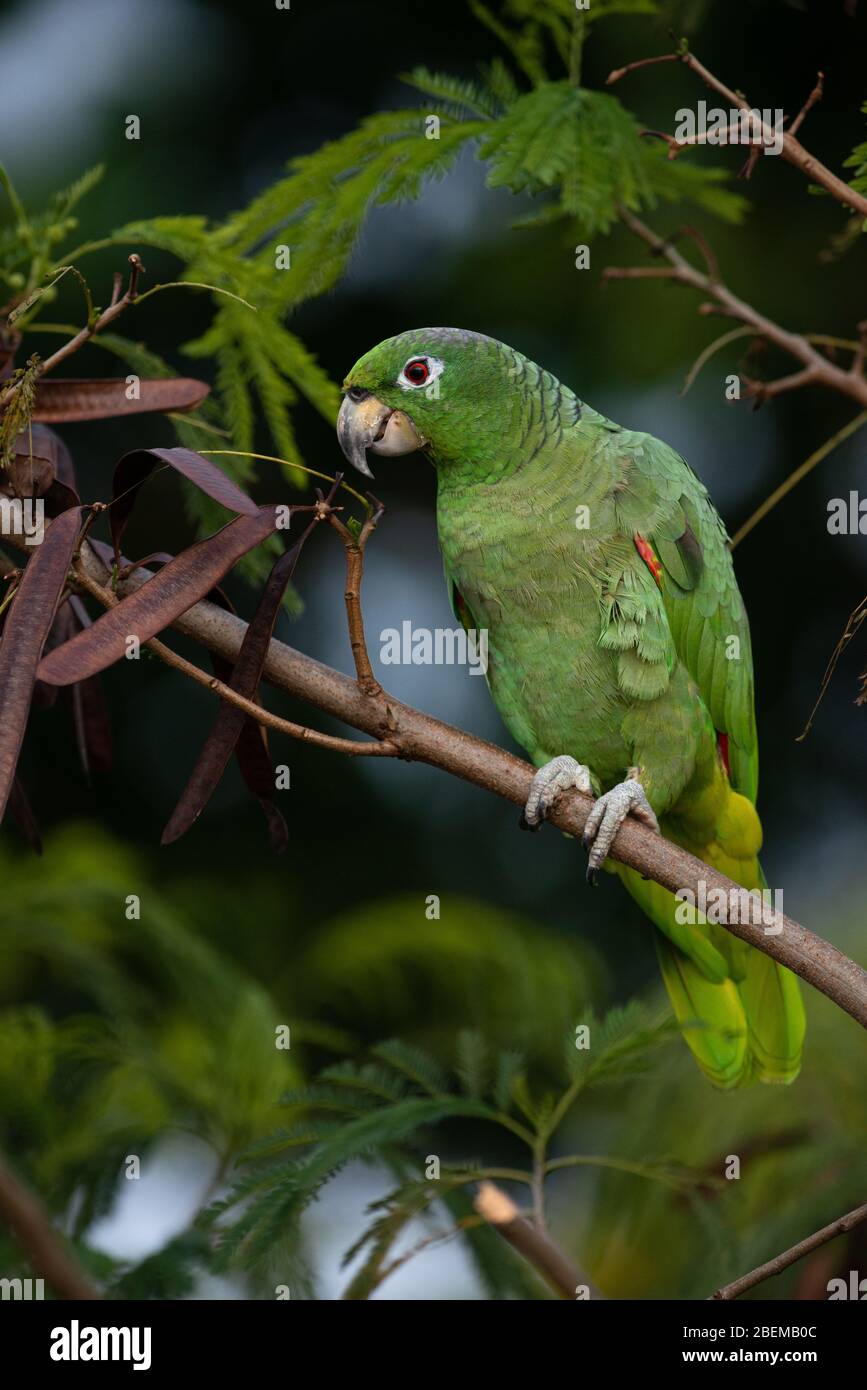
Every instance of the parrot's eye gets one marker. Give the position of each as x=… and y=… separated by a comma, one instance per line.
x=418, y=371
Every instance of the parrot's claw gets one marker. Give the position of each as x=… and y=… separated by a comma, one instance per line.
x=557, y=776
x=607, y=816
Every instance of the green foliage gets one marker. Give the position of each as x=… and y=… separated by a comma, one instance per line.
x=28, y=245
x=316, y=214
x=159, y=1030
x=391, y=1112
x=459, y=97
x=603, y=9
x=170, y=1273
x=473, y=1063
x=19, y=411
x=154, y=1030
x=585, y=147
x=151, y=1029
x=554, y=21
x=622, y=1046
x=801, y=1157
x=579, y=148
x=521, y=985
x=412, y=1062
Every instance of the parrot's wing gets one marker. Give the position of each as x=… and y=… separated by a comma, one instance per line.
x=751, y=1021
x=666, y=509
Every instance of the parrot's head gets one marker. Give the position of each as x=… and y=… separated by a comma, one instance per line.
x=441, y=390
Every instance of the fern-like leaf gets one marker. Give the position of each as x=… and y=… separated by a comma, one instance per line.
x=622, y=1047
x=453, y=94
x=278, y=1208
x=473, y=1063
x=415, y=1064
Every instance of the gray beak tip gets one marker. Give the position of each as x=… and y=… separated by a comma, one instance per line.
x=354, y=435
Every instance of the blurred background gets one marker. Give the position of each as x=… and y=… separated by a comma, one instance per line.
x=332, y=939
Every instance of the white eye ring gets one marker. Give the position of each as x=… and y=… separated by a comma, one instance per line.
x=435, y=368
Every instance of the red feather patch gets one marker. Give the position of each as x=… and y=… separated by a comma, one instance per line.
x=645, y=550
x=465, y=617
x=723, y=745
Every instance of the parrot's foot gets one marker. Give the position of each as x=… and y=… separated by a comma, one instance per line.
x=557, y=776
x=607, y=816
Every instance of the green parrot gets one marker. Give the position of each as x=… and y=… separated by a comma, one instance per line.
x=618, y=645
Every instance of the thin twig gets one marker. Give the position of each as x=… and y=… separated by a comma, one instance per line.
x=712, y=348
x=677, y=145
x=857, y=365
x=793, y=479
x=354, y=548
x=789, y=1257
x=465, y=1223
x=703, y=245
x=618, y=73
x=762, y=391
x=853, y=623
x=114, y=310
x=288, y=463
x=14, y=582
x=816, y=95
x=538, y=1185
x=638, y=272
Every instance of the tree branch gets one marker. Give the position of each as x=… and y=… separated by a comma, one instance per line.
x=30, y=1225
x=789, y=1257
x=425, y=739
x=262, y=716
x=792, y=150
x=817, y=369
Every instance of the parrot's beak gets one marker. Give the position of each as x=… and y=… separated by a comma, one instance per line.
x=368, y=424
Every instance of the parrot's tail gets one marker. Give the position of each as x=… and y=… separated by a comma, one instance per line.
x=741, y=1013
